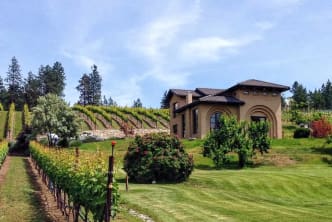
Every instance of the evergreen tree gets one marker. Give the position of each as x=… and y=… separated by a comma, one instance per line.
x=52, y=79
x=15, y=84
x=137, y=103
x=327, y=94
x=105, y=101
x=32, y=89
x=164, y=103
x=95, y=86
x=300, y=96
x=84, y=90
x=316, y=99
x=111, y=102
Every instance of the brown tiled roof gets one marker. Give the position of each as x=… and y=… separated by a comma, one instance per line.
x=208, y=91
x=221, y=99
x=184, y=92
x=258, y=83
x=254, y=82
x=213, y=100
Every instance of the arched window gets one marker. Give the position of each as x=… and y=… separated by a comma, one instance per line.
x=214, y=121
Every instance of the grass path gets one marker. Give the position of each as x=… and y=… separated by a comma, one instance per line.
x=18, y=197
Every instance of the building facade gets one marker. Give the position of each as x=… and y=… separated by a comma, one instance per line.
x=194, y=113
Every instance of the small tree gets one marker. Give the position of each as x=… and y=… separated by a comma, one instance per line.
x=137, y=103
x=53, y=116
x=238, y=137
x=258, y=133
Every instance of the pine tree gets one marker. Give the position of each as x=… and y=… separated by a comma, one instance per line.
x=327, y=94
x=164, y=103
x=15, y=84
x=300, y=96
x=111, y=102
x=52, y=79
x=84, y=90
x=95, y=86
x=137, y=103
x=32, y=91
x=105, y=101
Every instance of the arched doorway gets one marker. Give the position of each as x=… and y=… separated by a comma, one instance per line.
x=263, y=113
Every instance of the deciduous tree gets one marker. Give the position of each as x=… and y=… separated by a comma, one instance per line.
x=52, y=115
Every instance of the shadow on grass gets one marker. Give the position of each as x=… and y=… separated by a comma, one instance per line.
x=228, y=166
x=35, y=196
x=322, y=150
x=327, y=160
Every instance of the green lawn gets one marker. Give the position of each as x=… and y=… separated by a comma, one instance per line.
x=3, y=120
x=18, y=200
x=291, y=183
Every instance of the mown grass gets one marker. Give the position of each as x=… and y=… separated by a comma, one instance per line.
x=3, y=120
x=18, y=200
x=291, y=183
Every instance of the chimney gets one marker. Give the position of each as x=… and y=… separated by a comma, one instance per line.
x=189, y=98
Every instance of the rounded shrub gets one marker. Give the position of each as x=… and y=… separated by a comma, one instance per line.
x=301, y=133
x=157, y=157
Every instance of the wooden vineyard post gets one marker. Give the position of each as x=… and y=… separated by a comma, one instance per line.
x=109, y=198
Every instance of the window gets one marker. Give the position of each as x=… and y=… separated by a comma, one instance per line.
x=214, y=121
x=183, y=125
x=195, y=121
x=175, y=129
x=258, y=118
x=175, y=106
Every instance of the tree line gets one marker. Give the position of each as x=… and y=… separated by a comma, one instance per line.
x=50, y=79
x=15, y=89
x=318, y=99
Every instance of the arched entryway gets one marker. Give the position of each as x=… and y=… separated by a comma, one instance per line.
x=263, y=113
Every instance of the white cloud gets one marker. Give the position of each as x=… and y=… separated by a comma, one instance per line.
x=212, y=48
x=157, y=40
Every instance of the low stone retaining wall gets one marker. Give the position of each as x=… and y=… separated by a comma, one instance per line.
x=115, y=133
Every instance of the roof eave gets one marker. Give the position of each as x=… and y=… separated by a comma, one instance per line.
x=190, y=105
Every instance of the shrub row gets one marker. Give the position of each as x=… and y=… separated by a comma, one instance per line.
x=147, y=113
x=83, y=178
x=162, y=113
x=3, y=151
x=11, y=117
x=132, y=112
x=87, y=112
x=115, y=111
x=26, y=116
x=99, y=110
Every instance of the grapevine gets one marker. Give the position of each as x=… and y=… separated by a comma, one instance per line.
x=83, y=178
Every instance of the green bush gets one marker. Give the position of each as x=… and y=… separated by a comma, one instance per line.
x=301, y=133
x=75, y=143
x=157, y=157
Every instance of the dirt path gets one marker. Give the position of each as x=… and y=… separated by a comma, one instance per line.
x=23, y=197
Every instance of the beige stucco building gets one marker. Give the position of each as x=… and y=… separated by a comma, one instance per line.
x=194, y=113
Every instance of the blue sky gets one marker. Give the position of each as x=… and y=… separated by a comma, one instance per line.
x=143, y=48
